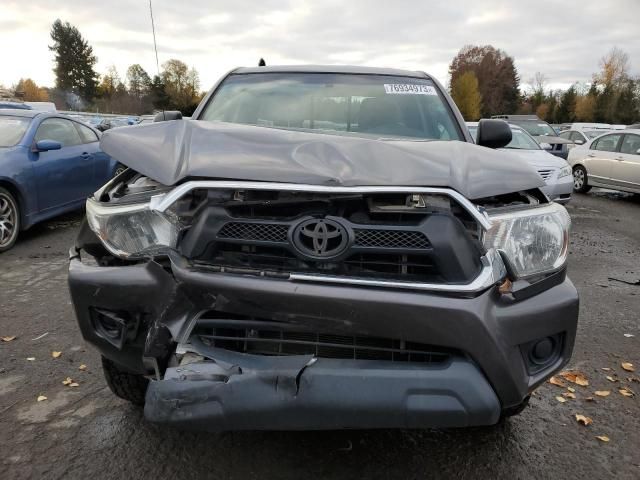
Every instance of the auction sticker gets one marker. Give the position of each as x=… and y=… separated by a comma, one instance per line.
x=409, y=89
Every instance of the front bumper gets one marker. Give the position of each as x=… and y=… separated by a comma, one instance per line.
x=489, y=329
x=559, y=190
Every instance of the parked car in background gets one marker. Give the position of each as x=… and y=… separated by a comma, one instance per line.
x=322, y=247
x=541, y=131
x=555, y=171
x=635, y=126
x=580, y=137
x=611, y=160
x=49, y=164
x=42, y=106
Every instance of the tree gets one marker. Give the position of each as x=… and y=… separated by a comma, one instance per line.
x=138, y=81
x=467, y=96
x=627, y=108
x=614, y=68
x=181, y=84
x=498, y=79
x=159, y=97
x=585, y=108
x=31, y=92
x=74, y=61
x=566, y=112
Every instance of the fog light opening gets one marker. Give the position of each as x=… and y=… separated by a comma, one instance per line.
x=542, y=353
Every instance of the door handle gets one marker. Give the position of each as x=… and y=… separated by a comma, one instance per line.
x=85, y=155
x=620, y=159
x=590, y=155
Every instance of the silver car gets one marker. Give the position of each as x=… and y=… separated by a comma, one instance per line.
x=611, y=161
x=555, y=171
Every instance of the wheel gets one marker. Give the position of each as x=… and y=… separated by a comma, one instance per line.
x=128, y=386
x=119, y=170
x=580, y=179
x=9, y=220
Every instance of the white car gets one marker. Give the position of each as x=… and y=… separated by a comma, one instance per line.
x=610, y=161
x=580, y=137
x=554, y=170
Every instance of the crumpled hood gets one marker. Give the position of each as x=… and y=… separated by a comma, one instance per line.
x=169, y=152
x=538, y=158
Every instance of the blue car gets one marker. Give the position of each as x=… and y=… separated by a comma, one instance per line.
x=49, y=164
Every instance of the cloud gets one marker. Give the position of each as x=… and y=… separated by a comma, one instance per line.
x=564, y=40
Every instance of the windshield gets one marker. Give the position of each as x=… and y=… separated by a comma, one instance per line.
x=535, y=127
x=365, y=105
x=12, y=130
x=591, y=134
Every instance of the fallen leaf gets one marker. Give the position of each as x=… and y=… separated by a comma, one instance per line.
x=589, y=399
x=603, y=393
x=602, y=438
x=561, y=399
x=74, y=384
x=557, y=382
x=606, y=369
x=628, y=367
x=629, y=335
x=583, y=420
x=575, y=377
x=633, y=379
x=571, y=389
x=569, y=395
x=31, y=359
x=8, y=339
x=626, y=392
x=56, y=354
x=611, y=379
x=82, y=367
x=41, y=398
x=67, y=381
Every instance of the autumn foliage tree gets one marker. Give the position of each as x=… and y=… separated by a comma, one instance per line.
x=467, y=96
x=31, y=92
x=498, y=80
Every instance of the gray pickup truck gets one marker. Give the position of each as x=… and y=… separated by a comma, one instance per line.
x=323, y=248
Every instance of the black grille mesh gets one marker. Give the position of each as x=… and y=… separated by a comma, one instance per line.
x=390, y=239
x=263, y=232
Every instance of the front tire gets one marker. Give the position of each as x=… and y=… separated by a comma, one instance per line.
x=580, y=179
x=9, y=220
x=128, y=386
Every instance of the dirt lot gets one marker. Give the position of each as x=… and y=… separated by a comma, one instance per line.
x=86, y=432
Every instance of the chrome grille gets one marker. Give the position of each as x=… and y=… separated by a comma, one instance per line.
x=546, y=173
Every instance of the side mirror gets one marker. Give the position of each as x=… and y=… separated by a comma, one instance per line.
x=168, y=115
x=545, y=146
x=638, y=151
x=46, y=145
x=493, y=133
x=579, y=142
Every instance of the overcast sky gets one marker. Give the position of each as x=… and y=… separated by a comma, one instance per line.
x=563, y=39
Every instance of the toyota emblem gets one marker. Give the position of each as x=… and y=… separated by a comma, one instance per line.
x=320, y=238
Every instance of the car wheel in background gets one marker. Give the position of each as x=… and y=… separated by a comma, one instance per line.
x=9, y=220
x=580, y=179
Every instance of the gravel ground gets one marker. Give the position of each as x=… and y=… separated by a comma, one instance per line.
x=86, y=432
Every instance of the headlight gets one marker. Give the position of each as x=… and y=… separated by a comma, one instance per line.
x=564, y=171
x=534, y=241
x=132, y=231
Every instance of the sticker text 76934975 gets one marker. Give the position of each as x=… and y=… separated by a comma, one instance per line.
x=409, y=89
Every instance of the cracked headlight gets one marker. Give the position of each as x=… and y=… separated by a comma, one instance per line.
x=565, y=171
x=534, y=241
x=133, y=231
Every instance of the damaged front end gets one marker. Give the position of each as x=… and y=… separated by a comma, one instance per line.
x=287, y=306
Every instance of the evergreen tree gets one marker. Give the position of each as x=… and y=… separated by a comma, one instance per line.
x=566, y=112
x=74, y=60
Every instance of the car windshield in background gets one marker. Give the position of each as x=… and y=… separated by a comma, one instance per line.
x=12, y=130
x=368, y=105
x=591, y=134
x=521, y=141
x=536, y=128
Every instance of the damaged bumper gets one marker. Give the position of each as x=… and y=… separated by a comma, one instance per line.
x=488, y=339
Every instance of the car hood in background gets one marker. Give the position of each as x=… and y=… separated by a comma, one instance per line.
x=172, y=151
x=537, y=158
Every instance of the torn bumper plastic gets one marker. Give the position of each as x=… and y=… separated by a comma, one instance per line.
x=249, y=392
x=490, y=331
